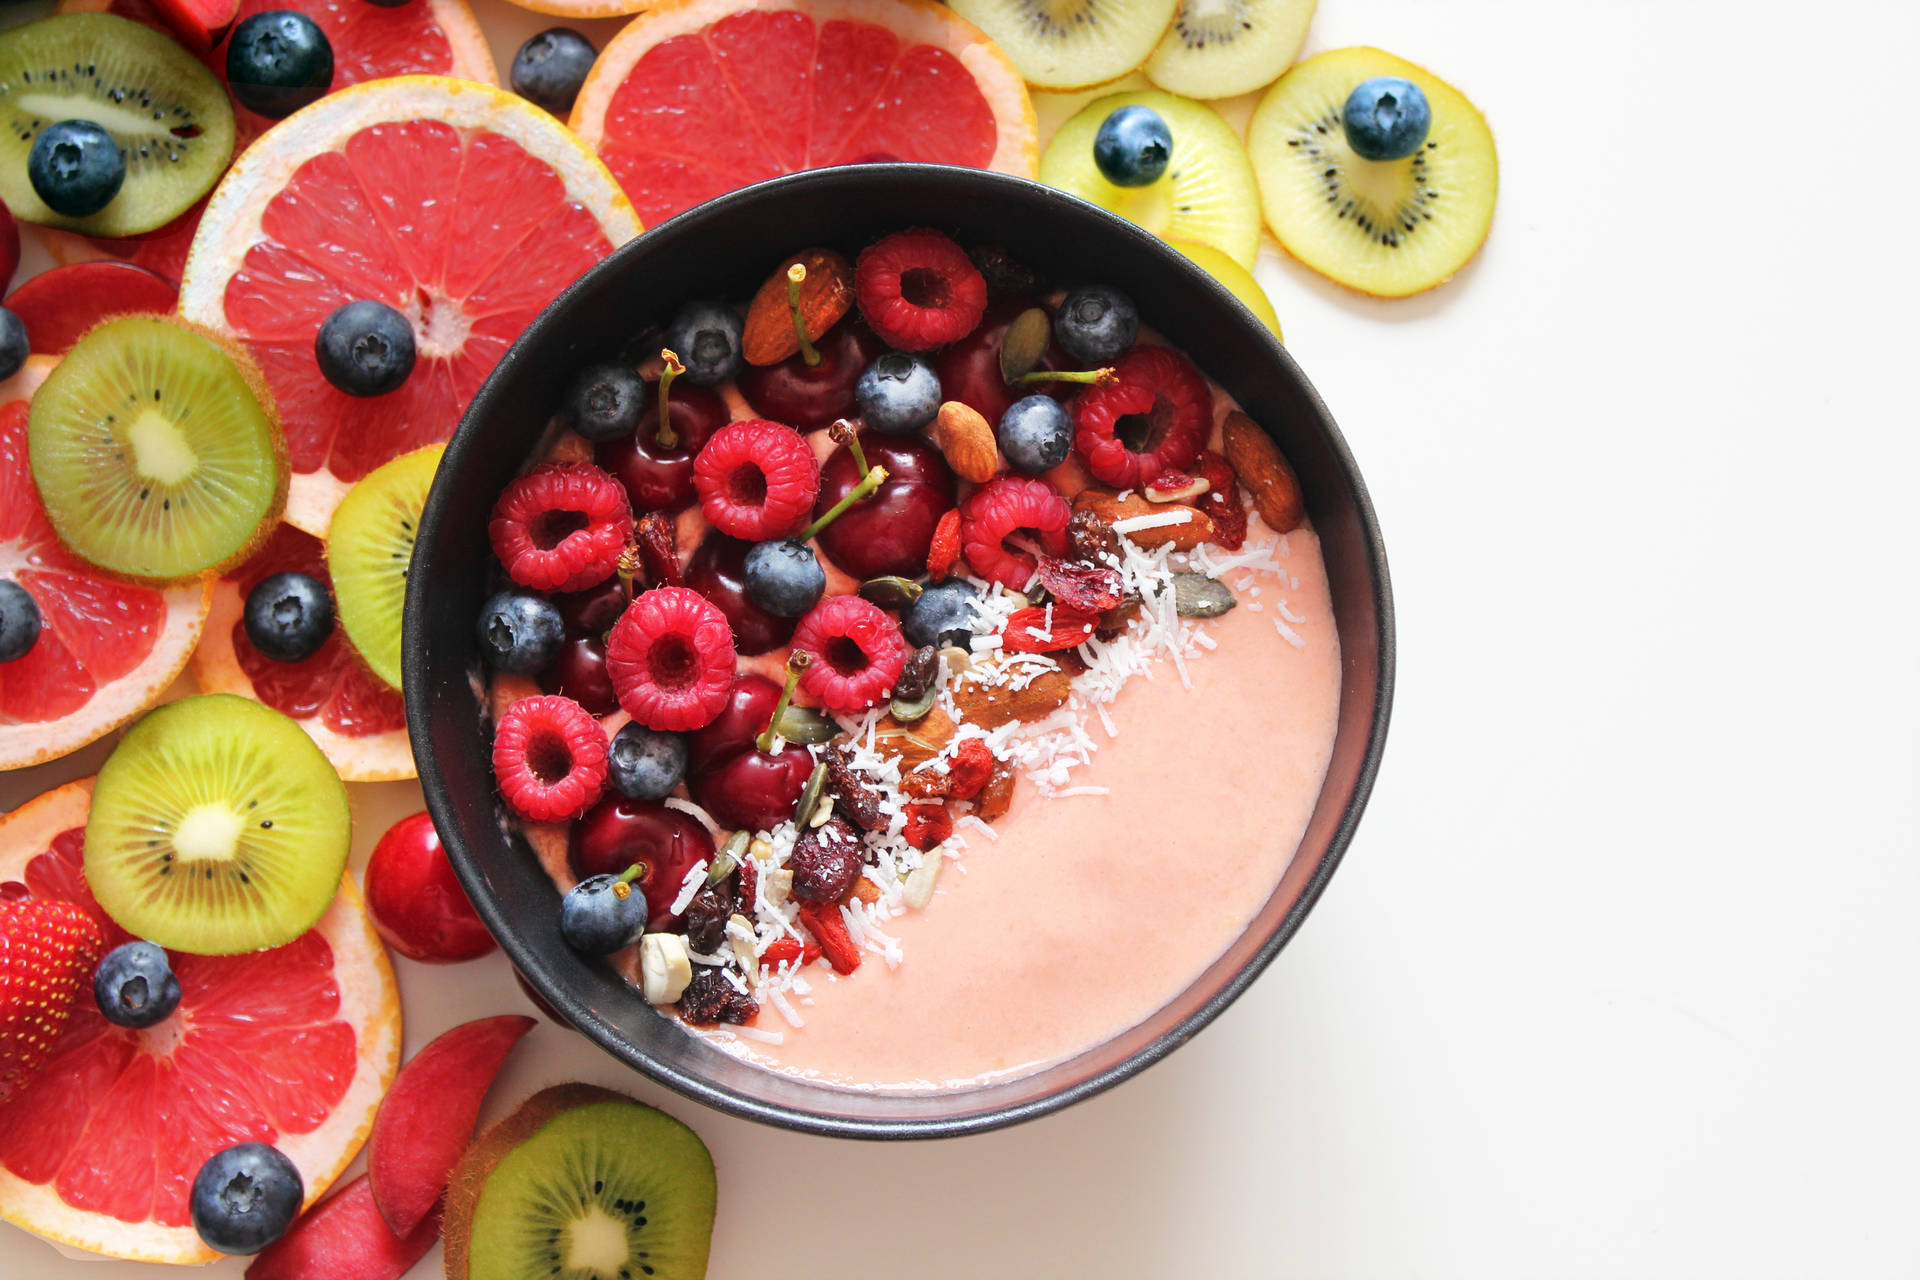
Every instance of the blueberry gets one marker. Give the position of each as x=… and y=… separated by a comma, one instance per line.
x=1036, y=434
x=14, y=346
x=19, y=621
x=784, y=577
x=646, y=764
x=550, y=68
x=706, y=336
x=278, y=61
x=76, y=167
x=520, y=633
x=942, y=615
x=602, y=914
x=898, y=393
x=606, y=402
x=365, y=348
x=1096, y=324
x=1133, y=147
x=288, y=616
x=245, y=1198
x=134, y=986
x=1386, y=118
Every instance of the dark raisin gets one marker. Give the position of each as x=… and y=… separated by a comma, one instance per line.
x=1006, y=276
x=705, y=918
x=710, y=998
x=1093, y=538
x=922, y=669
x=854, y=796
x=659, y=548
x=826, y=862
x=997, y=796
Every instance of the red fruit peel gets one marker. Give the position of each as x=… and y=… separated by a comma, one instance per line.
x=345, y=1238
x=426, y=1121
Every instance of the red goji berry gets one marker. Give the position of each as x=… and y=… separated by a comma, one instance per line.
x=927, y=825
x=1221, y=502
x=969, y=770
x=944, y=553
x=829, y=929
x=789, y=951
x=1089, y=588
x=1044, y=628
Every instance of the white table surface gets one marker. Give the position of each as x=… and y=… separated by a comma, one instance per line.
x=1619, y=977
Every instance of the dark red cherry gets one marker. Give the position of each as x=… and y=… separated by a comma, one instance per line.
x=810, y=397
x=718, y=571
x=970, y=368
x=889, y=532
x=579, y=671
x=618, y=832
x=594, y=611
x=749, y=706
x=754, y=790
x=658, y=478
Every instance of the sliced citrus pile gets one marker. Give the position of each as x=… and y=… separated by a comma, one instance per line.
x=357, y=720
x=292, y=1046
x=695, y=98
x=465, y=208
x=370, y=42
x=107, y=649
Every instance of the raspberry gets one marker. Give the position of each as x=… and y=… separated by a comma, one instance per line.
x=756, y=479
x=561, y=527
x=944, y=552
x=858, y=653
x=550, y=758
x=970, y=769
x=1221, y=502
x=919, y=290
x=927, y=825
x=1004, y=507
x=671, y=659
x=1159, y=386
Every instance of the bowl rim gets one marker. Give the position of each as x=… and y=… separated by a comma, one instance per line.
x=608, y=1037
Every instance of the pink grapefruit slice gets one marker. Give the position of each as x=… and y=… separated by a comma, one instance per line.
x=695, y=98
x=370, y=42
x=293, y=1046
x=356, y=719
x=108, y=648
x=466, y=208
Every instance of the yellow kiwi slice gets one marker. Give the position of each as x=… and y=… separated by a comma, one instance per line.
x=1071, y=44
x=369, y=548
x=1389, y=228
x=1238, y=280
x=217, y=827
x=156, y=450
x=1222, y=48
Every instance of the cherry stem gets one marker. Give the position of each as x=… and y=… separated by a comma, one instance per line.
x=842, y=432
x=797, y=276
x=666, y=437
x=797, y=663
x=1096, y=376
x=876, y=476
x=623, y=884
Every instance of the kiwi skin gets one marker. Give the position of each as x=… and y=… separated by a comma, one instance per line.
x=471, y=1174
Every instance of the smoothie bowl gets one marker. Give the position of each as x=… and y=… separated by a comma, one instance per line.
x=896, y=651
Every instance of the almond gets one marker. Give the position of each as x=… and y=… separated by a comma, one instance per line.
x=967, y=441
x=915, y=743
x=1193, y=528
x=992, y=705
x=1257, y=460
x=825, y=295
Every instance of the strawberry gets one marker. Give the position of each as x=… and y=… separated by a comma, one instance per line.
x=48, y=951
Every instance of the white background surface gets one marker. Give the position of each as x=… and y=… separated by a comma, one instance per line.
x=1619, y=977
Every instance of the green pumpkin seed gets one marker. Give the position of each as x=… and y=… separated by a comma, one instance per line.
x=890, y=592
x=910, y=711
x=1195, y=595
x=805, y=726
x=1027, y=340
x=810, y=794
x=728, y=858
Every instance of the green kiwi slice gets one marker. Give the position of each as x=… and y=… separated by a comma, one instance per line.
x=582, y=1183
x=170, y=116
x=156, y=450
x=1206, y=196
x=1388, y=228
x=217, y=827
x=369, y=546
x=1221, y=48
x=1071, y=44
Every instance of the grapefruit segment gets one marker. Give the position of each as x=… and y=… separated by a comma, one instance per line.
x=108, y=648
x=695, y=98
x=293, y=1046
x=357, y=721
x=465, y=208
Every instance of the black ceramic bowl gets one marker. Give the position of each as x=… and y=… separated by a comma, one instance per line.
x=725, y=248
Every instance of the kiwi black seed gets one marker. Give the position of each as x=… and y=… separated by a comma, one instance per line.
x=170, y=116
x=582, y=1183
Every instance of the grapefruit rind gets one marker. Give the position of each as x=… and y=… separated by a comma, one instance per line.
x=369, y=1002
x=231, y=224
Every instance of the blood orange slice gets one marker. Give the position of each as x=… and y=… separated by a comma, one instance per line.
x=697, y=97
x=293, y=1046
x=358, y=721
x=108, y=648
x=370, y=42
x=466, y=208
